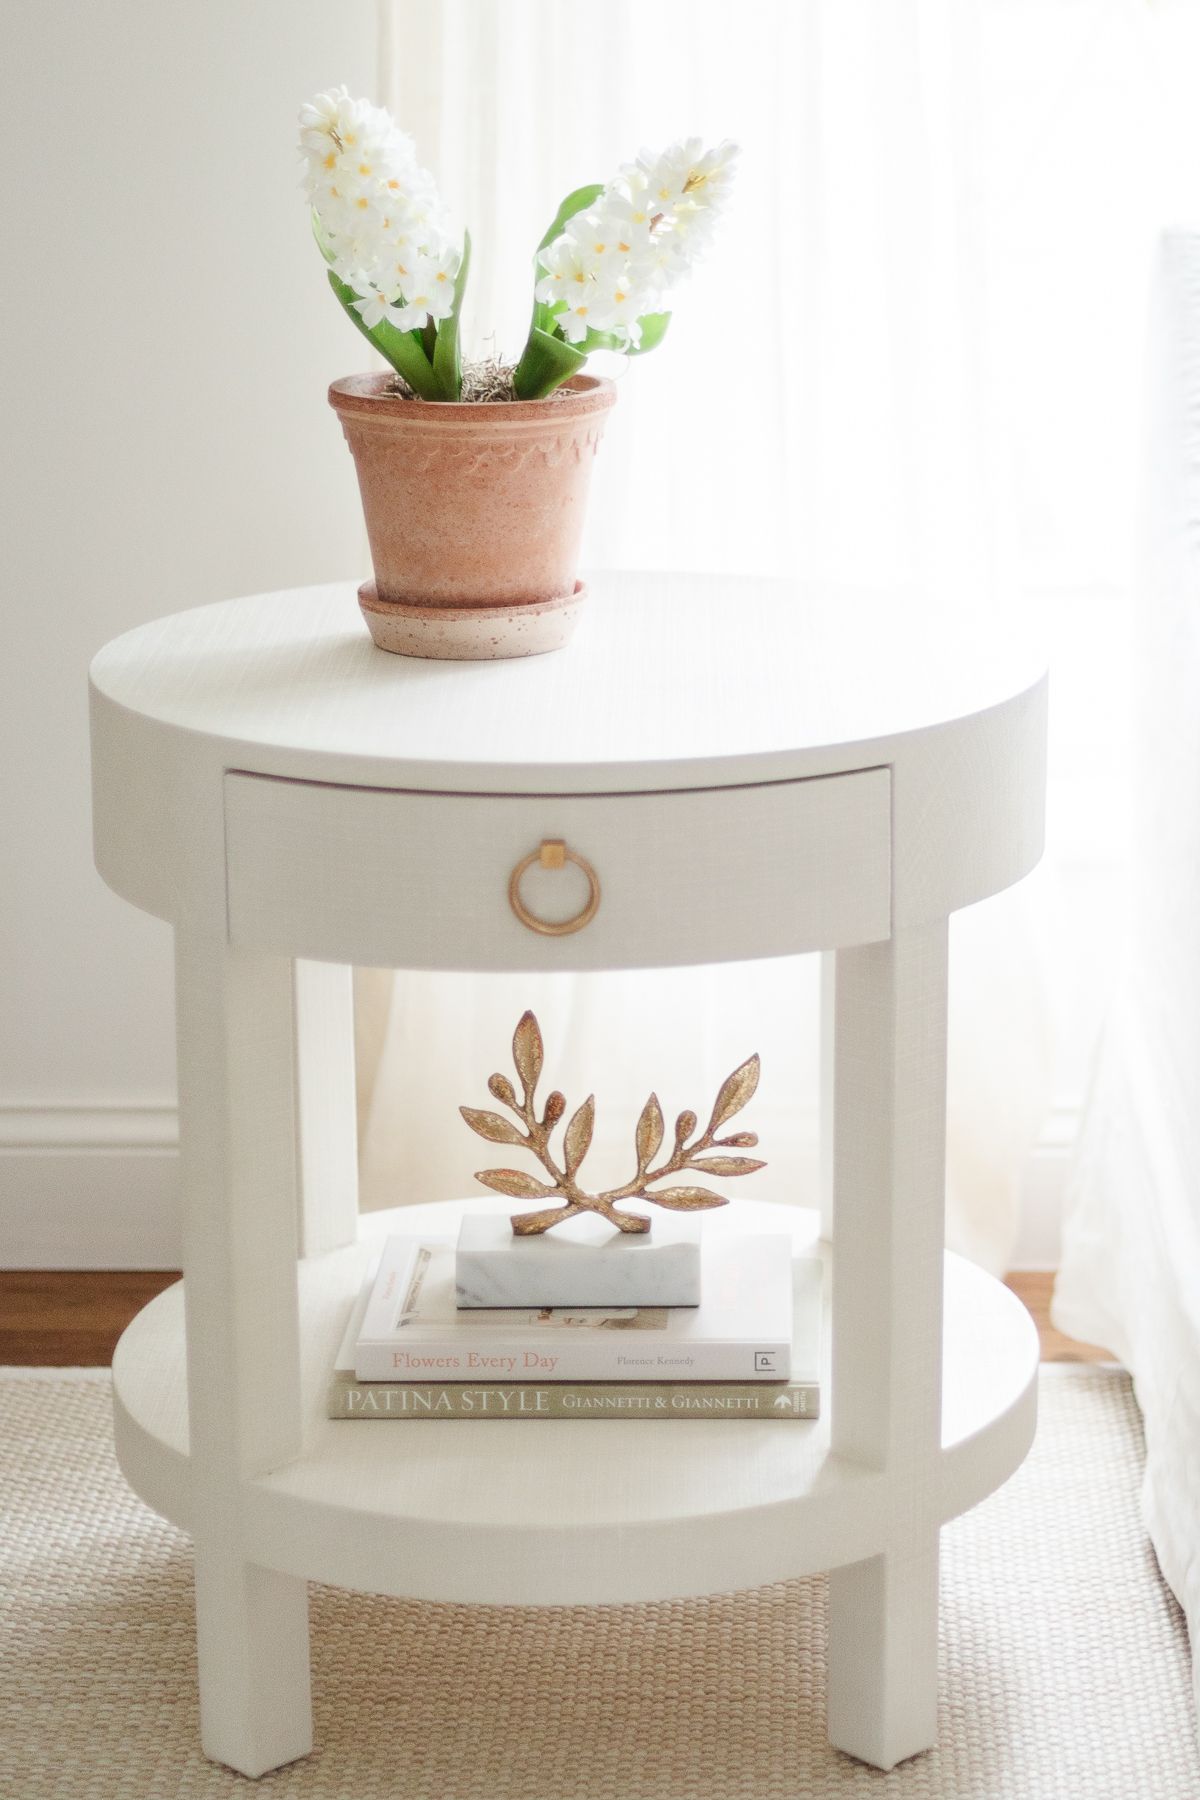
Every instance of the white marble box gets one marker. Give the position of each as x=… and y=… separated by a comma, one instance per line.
x=582, y=1263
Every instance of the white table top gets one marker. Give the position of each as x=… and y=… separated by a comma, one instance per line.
x=673, y=680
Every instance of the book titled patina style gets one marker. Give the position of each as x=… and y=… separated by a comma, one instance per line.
x=413, y=1330
x=350, y=1398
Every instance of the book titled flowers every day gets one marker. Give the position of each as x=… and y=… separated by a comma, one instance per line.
x=750, y=1350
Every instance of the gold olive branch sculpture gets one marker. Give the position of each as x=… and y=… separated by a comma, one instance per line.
x=528, y=1056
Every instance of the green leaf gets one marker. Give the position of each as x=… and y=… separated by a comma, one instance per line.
x=319, y=235
x=575, y=202
x=447, y=349
x=401, y=348
x=543, y=314
x=546, y=362
x=654, y=330
x=602, y=340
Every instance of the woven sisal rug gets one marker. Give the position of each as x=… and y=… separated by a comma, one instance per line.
x=1065, y=1670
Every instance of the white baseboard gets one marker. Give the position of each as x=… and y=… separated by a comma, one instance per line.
x=89, y=1187
x=1039, y=1240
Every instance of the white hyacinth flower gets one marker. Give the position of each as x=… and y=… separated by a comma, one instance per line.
x=375, y=307
x=618, y=306
x=378, y=212
x=630, y=211
x=614, y=261
x=576, y=321
x=602, y=239
x=570, y=269
x=684, y=188
x=684, y=176
x=396, y=263
x=430, y=287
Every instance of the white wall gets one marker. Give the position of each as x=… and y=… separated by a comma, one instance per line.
x=167, y=341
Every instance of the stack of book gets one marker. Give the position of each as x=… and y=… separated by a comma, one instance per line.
x=748, y=1351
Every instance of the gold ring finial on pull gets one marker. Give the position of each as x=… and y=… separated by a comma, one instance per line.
x=552, y=853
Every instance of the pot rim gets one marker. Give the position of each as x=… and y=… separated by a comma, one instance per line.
x=368, y=396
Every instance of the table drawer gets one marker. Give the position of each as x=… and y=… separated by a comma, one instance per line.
x=421, y=881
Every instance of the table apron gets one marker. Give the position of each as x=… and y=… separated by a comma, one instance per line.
x=421, y=881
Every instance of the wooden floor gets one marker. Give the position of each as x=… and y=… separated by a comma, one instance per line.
x=72, y=1319
x=1036, y=1287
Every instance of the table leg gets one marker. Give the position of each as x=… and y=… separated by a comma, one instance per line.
x=889, y=1209
x=236, y=1021
x=825, y=1089
x=326, y=1117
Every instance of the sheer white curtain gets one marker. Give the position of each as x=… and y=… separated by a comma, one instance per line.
x=1132, y=1244
x=881, y=374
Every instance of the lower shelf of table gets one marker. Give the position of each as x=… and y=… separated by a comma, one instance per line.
x=572, y=1511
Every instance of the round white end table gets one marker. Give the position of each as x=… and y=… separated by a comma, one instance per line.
x=752, y=769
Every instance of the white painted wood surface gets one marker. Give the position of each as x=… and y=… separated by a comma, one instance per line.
x=754, y=768
x=570, y=1516
x=420, y=881
x=889, y=1183
x=826, y=1024
x=236, y=1033
x=326, y=1116
x=672, y=682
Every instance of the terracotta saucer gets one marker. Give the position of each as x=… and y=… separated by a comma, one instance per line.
x=470, y=633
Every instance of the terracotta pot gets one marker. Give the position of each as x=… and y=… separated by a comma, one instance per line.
x=475, y=506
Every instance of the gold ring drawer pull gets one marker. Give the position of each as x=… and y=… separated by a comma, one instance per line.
x=553, y=854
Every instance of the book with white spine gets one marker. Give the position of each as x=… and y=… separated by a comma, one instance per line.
x=413, y=1330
